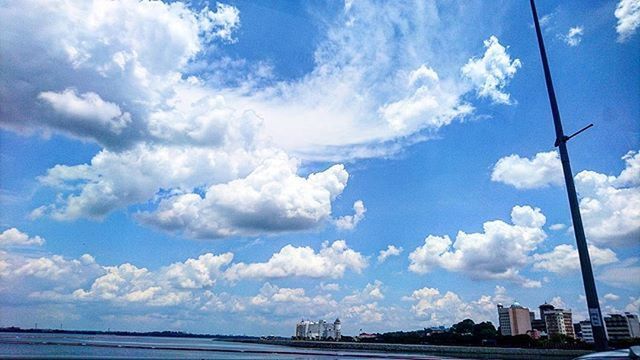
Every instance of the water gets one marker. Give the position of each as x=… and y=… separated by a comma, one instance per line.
x=78, y=346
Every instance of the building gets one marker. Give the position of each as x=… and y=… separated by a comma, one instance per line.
x=586, y=332
x=559, y=322
x=503, y=320
x=634, y=325
x=622, y=326
x=514, y=320
x=320, y=330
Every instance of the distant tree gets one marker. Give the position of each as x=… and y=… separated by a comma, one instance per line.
x=463, y=327
x=485, y=330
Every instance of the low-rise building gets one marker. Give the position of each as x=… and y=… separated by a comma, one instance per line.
x=586, y=332
x=320, y=330
x=622, y=326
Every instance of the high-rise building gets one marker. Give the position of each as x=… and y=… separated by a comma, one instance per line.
x=558, y=322
x=503, y=320
x=514, y=320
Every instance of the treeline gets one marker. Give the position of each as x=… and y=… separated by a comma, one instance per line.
x=14, y=329
x=468, y=333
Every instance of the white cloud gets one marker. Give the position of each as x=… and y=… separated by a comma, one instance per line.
x=610, y=205
x=329, y=286
x=127, y=51
x=88, y=110
x=557, y=227
x=15, y=237
x=625, y=275
x=349, y=222
x=330, y=262
x=169, y=286
x=448, y=308
x=563, y=259
x=491, y=73
x=573, y=36
x=391, y=250
x=634, y=305
x=497, y=253
x=611, y=297
x=628, y=15
x=272, y=198
x=543, y=170
x=220, y=23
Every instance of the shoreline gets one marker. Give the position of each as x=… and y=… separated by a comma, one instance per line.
x=457, y=351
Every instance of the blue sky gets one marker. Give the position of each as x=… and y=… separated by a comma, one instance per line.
x=234, y=167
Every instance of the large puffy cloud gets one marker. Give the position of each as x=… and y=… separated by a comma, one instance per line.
x=15, y=237
x=128, y=52
x=563, y=259
x=543, y=170
x=491, y=73
x=135, y=56
x=497, y=253
x=448, y=308
x=115, y=180
x=271, y=198
x=628, y=15
x=610, y=205
x=330, y=262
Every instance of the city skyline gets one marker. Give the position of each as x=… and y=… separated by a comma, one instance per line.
x=209, y=165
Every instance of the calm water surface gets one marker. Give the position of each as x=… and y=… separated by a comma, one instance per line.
x=65, y=346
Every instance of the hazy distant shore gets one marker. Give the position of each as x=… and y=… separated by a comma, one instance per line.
x=475, y=352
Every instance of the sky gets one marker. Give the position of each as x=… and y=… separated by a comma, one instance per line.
x=234, y=167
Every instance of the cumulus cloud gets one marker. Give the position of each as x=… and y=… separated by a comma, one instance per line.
x=271, y=198
x=491, y=73
x=563, y=259
x=448, y=308
x=349, y=222
x=628, y=14
x=126, y=51
x=391, y=250
x=330, y=262
x=499, y=252
x=169, y=286
x=15, y=237
x=573, y=37
x=88, y=111
x=610, y=205
x=544, y=169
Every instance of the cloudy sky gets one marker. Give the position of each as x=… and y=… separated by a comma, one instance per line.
x=233, y=167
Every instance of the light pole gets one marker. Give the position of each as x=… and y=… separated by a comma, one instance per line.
x=595, y=315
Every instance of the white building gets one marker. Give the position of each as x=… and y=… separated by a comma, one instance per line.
x=587, y=331
x=320, y=330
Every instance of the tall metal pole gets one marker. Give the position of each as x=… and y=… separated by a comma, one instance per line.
x=595, y=315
